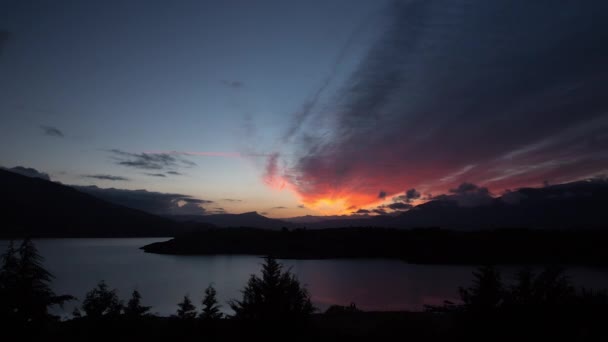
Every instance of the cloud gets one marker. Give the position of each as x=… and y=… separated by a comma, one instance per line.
x=150, y=161
x=301, y=207
x=175, y=173
x=155, y=174
x=28, y=172
x=399, y=206
x=362, y=211
x=217, y=210
x=106, y=177
x=231, y=200
x=494, y=92
x=469, y=195
x=233, y=84
x=409, y=196
x=152, y=202
x=278, y=208
x=52, y=131
x=379, y=211
x=382, y=194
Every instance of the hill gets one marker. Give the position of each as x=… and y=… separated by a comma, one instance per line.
x=38, y=207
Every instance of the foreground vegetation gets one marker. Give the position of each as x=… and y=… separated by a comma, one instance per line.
x=538, y=306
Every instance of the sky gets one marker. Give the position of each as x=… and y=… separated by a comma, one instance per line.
x=292, y=108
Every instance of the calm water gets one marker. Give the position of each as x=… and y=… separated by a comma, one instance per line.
x=163, y=280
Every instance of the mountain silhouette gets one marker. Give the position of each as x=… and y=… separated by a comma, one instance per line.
x=38, y=207
x=571, y=205
x=250, y=219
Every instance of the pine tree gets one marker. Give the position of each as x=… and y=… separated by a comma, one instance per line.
x=277, y=295
x=186, y=309
x=25, y=286
x=487, y=293
x=101, y=302
x=211, y=309
x=8, y=282
x=134, y=307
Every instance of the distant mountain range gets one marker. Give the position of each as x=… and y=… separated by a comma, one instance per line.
x=250, y=220
x=572, y=205
x=37, y=206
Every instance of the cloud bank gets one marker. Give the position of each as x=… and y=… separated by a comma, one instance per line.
x=501, y=93
x=152, y=202
x=151, y=161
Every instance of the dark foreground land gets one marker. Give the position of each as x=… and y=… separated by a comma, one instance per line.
x=367, y=326
x=500, y=246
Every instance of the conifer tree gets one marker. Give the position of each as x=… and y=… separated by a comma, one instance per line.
x=277, y=295
x=102, y=302
x=25, y=286
x=186, y=310
x=211, y=309
x=134, y=307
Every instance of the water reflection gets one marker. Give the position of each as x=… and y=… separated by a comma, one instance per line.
x=163, y=280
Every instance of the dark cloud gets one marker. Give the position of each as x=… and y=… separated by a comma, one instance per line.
x=409, y=196
x=195, y=200
x=152, y=202
x=503, y=93
x=52, y=131
x=233, y=84
x=362, y=211
x=382, y=194
x=379, y=211
x=231, y=200
x=175, y=173
x=469, y=195
x=301, y=207
x=156, y=174
x=28, y=172
x=468, y=188
x=412, y=194
x=278, y=208
x=399, y=206
x=217, y=210
x=150, y=161
x=106, y=177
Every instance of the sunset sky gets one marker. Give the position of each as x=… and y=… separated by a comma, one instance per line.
x=293, y=108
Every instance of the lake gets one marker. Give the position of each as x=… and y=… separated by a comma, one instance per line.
x=163, y=280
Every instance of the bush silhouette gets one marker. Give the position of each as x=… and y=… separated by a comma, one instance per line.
x=186, y=310
x=101, y=302
x=211, y=309
x=25, y=293
x=277, y=295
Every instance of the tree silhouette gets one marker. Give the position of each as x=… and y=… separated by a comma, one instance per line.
x=277, y=295
x=186, y=310
x=8, y=282
x=101, y=302
x=134, y=308
x=211, y=309
x=25, y=286
x=487, y=293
